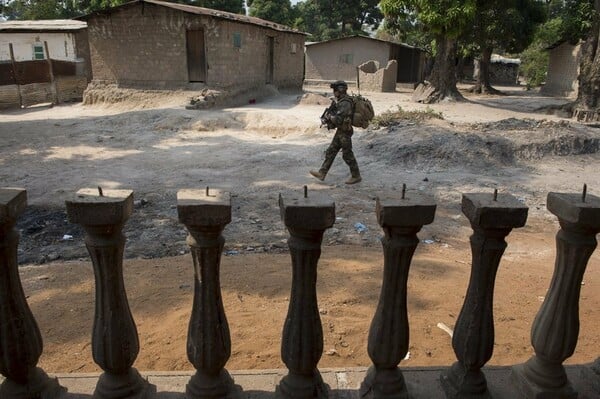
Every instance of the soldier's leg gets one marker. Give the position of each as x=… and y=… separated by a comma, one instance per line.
x=331, y=152
x=348, y=155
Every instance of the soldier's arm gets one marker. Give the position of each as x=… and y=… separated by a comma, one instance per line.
x=343, y=111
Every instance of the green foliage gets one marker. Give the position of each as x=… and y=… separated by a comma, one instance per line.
x=234, y=6
x=568, y=20
x=279, y=11
x=390, y=118
x=329, y=19
x=56, y=9
x=447, y=18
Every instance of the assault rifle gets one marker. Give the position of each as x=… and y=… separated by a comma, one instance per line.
x=325, y=121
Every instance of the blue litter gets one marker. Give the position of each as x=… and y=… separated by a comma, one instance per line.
x=360, y=228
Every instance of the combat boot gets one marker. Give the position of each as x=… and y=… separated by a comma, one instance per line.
x=318, y=174
x=354, y=180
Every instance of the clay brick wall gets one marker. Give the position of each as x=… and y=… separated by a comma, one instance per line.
x=339, y=59
x=374, y=78
x=82, y=52
x=563, y=70
x=145, y=45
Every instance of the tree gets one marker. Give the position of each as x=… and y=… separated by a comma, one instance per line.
x=501, y=24
x=234, y=6
x=53, y=9
x=587, y=105
x=534, y=59
x=446, y=21
x=34, y=9
x=279, y=11
x=329, y=19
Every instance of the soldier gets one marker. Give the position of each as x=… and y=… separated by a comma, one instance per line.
x=341, y=119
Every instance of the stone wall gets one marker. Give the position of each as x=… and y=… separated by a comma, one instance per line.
x=373, y=78
x=146, y=46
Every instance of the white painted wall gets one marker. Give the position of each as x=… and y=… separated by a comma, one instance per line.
x=60, y=45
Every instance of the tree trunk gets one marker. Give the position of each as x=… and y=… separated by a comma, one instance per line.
x=483, y=85
x=587, y=105
x=442, y=82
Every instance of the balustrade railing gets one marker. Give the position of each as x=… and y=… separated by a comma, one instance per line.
x=205, y=213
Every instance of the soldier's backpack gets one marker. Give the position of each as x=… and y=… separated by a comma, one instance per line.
x=363, y=111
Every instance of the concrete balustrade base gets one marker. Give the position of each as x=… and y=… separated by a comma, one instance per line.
x=530, y=389
x=383, y=384
x=40, y=386
x=131, y=385
x=421, y=382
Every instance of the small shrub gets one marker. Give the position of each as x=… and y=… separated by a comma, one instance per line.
x=389, y=118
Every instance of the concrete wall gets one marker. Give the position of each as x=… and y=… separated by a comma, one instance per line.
x=373, y=78
x=146, y=46
x=329, y=60
x=563, y=70
x=60, y=45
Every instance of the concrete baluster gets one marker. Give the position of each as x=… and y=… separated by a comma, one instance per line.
x=306, y=218
x=115, y=344
x=401, y=220
x=555, y=329
x=20, y=339
x=205, y=214
x=492, y=219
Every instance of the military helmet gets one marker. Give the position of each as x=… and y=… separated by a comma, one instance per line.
x=339, y=84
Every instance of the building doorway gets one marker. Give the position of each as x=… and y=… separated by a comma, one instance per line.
x=196, y=55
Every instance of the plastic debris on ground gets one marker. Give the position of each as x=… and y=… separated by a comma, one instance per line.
x=360, y=228
x=444, y=327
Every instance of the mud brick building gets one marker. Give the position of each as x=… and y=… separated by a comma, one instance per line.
x=44, y=61
x=155, y=44
x=563, y=70
x=339, y=58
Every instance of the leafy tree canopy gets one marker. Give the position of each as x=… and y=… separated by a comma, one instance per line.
x=448, y=18
x=234, y=6
x=56, y=9
x=329, y=19
x=279, y=11
x=567, y=20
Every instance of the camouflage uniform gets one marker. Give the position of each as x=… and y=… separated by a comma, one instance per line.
x=342, y=120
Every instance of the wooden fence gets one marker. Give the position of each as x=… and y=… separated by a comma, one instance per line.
x=25, y=83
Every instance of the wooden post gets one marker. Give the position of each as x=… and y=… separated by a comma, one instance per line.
x=14, y=67
x=51, y=71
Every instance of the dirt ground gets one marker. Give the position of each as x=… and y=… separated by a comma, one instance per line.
x=155, y=147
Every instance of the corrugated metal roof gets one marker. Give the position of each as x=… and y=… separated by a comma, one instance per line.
x=42, y=25
x=363, y=37
x=203, y=11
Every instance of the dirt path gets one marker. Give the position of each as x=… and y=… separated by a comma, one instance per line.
x=157, y=147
